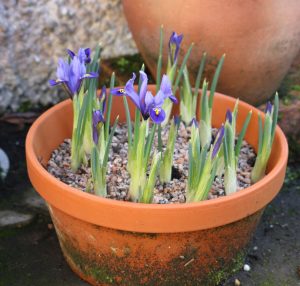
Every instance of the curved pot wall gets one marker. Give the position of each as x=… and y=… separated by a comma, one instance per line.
x=260, y=39
x=110, y=242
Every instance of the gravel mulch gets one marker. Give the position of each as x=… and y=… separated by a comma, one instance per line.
x=118, y=178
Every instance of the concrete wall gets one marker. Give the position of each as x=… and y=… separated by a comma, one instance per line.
x=34, y=33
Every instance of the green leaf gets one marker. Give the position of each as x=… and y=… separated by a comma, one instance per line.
x=191, y=169
x=204, y=103
x=242, y=135
x=149, y=143
x=215, y=81
x=203, y=157
x=109, y=105
x=159, y=139
x=159, y=62
x=199, y=74
x=275, y=116
x=266, y=135
x=108, y=143
x=182, y=68
x=147, y=194
x=128, y=120
x=260, y=135
x=211, y=180
x=137, y=121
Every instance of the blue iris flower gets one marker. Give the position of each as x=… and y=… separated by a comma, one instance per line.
x=71, y=75
x=149, y=105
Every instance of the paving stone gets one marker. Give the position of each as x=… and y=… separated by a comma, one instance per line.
x=12, y=218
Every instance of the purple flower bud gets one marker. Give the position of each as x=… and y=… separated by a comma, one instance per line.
x=218, y=141
x=269, y=108
x=194, y=122
x=174, y=46
x=97, y=117
x=229, y=116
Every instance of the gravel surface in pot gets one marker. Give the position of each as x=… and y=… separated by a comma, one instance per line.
x=118, y=178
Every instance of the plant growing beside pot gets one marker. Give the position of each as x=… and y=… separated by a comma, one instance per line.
x=109, y=240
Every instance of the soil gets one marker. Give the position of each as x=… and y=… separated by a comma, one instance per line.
x=118, y=178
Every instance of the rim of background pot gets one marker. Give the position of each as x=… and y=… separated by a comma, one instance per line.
x=157, y=218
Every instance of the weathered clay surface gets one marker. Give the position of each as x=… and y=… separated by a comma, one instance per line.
x=34, y=33
x=105, y=256
x=260, y=39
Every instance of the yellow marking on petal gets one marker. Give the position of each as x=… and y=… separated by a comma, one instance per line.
x=157, y=111
x=87, y=74
x=58, y=80
x=122, y=90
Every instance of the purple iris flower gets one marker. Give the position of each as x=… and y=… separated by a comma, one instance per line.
x=174, y=46
x=229, y=116
x=97, y=118
x=71, y=75
x=149, y=105
x=219, y=139
x=84, y=55
x=269, y=107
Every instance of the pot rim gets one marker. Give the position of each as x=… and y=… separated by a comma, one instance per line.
x=153, y=218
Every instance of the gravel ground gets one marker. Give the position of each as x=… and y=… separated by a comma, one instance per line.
x=118, y=178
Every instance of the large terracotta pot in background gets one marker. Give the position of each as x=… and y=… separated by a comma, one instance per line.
x=260, y=38
x=109, y=242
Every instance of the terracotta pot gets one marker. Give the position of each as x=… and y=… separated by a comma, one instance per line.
x=260, y=38
x=109, y=242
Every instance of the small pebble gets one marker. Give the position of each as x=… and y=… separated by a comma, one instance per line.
x=247, y=268
x=237, y=282
x=255, y=248
x=50, y=226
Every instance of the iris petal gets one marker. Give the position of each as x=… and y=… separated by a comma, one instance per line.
x=118, y=91
x=149, y=101
x=77, y=70
x=229, y=116
x=90, y=75
x=84, y=55
x=95, y=135
x=166, y=86
x=157, y=117
x=54, y=82
x=174, y=45
x=159, y=99
x=71, y=53
x=143, y=90
x=173, y=99
x=129, y=90
x=269, y=107
x=97, y=117
x=63, y=70
x=219, y=139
